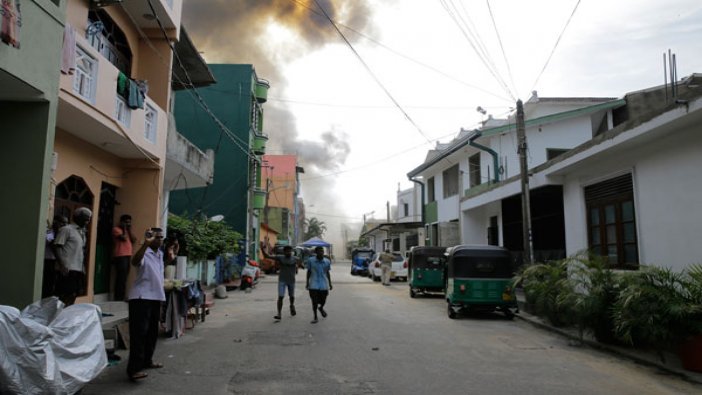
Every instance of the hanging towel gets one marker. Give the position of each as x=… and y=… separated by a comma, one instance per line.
x=123, y=85
x=11, y=22
x=68, y=53
x=135, y=98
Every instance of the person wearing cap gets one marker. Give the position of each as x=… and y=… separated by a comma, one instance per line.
x=318, y=281
x=288, y=265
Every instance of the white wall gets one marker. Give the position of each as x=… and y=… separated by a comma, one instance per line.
x=667, y=179
x=477, y=220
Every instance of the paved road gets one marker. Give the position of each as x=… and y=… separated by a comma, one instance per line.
x=376, y=340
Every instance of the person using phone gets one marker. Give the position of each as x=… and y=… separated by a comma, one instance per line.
x=145, y=299
x=122, y=242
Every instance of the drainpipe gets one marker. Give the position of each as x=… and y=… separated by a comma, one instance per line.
x=472, y=143
x=421, y=184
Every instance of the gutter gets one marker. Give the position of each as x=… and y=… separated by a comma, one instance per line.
x=424, y=210
x=471, y=141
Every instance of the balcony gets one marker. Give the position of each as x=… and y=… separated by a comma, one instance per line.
x=167, y=11
x=261, y=90
x=258, y=146
x=186, y=165
x=90, y=108
x=259, y=199
x=432, y=212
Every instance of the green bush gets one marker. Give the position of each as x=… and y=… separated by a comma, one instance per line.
x=546, y=287
x=204, y=239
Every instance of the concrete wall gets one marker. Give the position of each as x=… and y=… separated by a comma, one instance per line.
x=28, y=102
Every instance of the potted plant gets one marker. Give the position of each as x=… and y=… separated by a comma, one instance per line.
x=595, y=288
x=690, y=350
x=652, y=309
x=545, y=286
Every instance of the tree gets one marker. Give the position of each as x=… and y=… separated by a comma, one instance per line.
x=315, y=228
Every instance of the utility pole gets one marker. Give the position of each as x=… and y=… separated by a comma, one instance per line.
x=524, y=171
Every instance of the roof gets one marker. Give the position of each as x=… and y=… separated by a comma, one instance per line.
x=198, y=74
x=315, y=242
x=509, y=127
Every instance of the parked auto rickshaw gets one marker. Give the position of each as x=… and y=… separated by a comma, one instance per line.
x=479, y=278
x=360, y=258
x=426, y=266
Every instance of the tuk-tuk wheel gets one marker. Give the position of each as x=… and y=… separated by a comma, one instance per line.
x=451, y=312
x=412, y=293
x=509, y=313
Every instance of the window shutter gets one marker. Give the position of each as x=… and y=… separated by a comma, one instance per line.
x=612, y=188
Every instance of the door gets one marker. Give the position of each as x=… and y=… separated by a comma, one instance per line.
x=103, y=245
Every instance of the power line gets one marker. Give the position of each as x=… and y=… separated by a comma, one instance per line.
x=371, y=107
x=502, y=48
x=368, y=69
x=556, y=44
x=389, y=49
x=475, y=42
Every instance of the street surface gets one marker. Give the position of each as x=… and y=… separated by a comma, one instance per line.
x=375, y=340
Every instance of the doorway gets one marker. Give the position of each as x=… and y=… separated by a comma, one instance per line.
x=71, y=194
x=103, y=243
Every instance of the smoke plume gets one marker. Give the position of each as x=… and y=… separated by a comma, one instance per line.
x=235, y=31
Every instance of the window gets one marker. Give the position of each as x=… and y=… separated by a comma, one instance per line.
x=430, y=190
x=405, y=207
x=86, y=72
x=150, y=123
x=122, y=113
x=450, y=178
x=554, y=152
x=612, y=221
x=474, y=167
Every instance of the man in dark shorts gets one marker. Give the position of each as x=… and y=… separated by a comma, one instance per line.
x=318, y=281
x=69, y=247
x=288, y=265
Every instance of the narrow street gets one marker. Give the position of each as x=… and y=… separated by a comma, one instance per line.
x=375, y=340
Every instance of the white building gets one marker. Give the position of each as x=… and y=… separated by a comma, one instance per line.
x=627, y=187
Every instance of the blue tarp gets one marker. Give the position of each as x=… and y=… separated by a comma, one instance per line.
x=316, y=242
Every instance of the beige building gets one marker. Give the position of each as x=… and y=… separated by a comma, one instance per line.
x=112, y=121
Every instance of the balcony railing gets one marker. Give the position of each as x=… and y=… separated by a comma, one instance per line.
x=180, y=150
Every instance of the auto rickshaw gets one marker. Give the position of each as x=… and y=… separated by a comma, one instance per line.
x=479, y=278
x=360, y=258
x=426, y=266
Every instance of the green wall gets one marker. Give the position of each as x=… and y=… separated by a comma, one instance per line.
x=29, y=79
x=230, y=100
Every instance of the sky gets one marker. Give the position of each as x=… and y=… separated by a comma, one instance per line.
x=362, y=110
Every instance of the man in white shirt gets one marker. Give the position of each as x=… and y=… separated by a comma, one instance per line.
x=69, y=248
x=145, y=300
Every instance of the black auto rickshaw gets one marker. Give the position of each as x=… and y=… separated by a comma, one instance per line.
x=479, y=278
x=427, y=267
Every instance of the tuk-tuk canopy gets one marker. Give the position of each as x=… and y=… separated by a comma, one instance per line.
x=480, y=261
x=427, y=257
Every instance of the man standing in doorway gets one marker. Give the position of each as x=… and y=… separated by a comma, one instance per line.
x=386, y=266
x=50, y=269
x=318, y=281
x=69, y=248
x=122, y=240
x=145, y=300
x=288, y=264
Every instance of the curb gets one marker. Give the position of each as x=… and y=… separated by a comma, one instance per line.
x=683, y=374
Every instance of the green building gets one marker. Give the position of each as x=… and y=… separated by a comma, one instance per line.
x=30, y=62
x=236, y=100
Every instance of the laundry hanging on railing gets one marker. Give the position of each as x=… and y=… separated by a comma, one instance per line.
x=68, y=52
x=132, y=91
x=11, y=20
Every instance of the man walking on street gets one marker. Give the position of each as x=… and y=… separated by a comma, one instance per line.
x=145, y=300
x=69, y=248
x=122, y=240
x=288, y=265
x=318, y=281
x=386, y=266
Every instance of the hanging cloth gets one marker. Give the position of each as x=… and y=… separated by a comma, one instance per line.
x=11, y=22
x=135, y=98
x=68, y=53
x=123, y=85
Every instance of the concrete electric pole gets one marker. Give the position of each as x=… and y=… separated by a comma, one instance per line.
x=524, y=171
